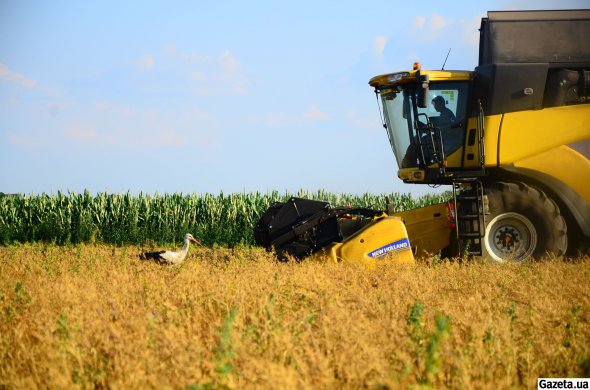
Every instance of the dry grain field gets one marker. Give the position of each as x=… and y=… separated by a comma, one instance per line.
x=95, y=316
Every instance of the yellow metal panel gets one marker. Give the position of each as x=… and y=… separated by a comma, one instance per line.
x=434, y=75
x=395, y=239
x=491, y=129
x=528, y=133
x=491, y=136
x=454, y=159
x=564, y=164
x=428, y=228
x=384, y=240
x=411, y=174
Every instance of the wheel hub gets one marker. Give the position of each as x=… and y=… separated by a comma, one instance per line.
x=510, y=237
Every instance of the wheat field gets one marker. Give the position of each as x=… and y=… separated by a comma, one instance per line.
x=95, y=316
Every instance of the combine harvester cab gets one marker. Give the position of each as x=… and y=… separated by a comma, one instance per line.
x=303, y=228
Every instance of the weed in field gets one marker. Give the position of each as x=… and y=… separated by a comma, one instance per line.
x=21, y=299
x=511, y=312
x=432, y=359
x=428, y=345
x=571, y=327
x=62, y=332
x=415, y=322
x=225, y=353
x=489, y=337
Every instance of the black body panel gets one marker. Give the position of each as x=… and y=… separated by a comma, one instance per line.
x=557, y=37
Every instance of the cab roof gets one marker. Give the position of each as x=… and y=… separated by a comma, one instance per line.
x=404, y=77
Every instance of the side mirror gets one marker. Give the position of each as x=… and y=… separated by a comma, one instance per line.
x=423, y=91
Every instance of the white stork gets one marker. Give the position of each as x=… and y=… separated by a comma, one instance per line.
x=170, y=257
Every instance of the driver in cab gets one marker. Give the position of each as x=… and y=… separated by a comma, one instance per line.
x=446, y=116
x=445, y=120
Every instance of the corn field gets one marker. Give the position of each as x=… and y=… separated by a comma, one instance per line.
x=225, y=220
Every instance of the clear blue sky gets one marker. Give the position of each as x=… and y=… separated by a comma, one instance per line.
x=195, y=96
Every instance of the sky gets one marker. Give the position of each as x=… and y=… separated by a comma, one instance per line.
x=210, y=97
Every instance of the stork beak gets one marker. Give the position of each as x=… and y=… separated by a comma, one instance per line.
x=196, y=241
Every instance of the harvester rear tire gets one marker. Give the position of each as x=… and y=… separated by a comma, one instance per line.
x=523, y=222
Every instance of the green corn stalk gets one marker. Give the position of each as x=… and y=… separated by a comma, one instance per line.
x=224, y=219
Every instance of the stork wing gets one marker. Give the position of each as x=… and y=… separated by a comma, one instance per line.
x=151, y=255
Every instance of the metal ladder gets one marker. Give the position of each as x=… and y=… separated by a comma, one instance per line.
x=471, y=204
x=470, y=210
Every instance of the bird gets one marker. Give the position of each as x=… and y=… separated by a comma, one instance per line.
x=171, y=257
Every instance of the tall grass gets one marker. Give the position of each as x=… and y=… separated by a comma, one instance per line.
x=224, y=219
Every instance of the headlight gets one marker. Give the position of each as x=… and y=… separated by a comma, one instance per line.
x=392, y=78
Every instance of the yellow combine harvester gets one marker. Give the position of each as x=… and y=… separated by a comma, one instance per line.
x=512, y=138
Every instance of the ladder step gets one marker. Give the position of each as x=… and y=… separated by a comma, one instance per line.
x=466, y=176
x=467, y=197
x=468, y=217
x=470, y=226
x=470, y=235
